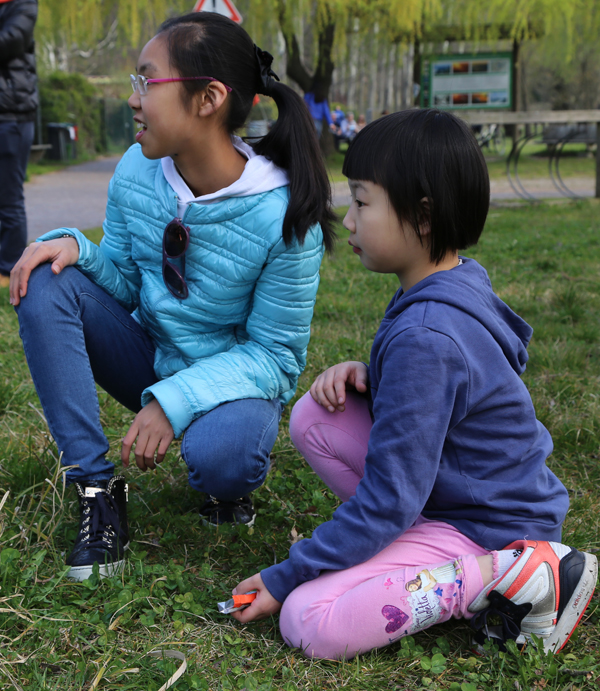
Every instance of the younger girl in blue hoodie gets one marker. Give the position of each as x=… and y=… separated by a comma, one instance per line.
x=195, y=310
x=449, y=509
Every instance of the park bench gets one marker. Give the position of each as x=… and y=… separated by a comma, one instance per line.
x=37, y=152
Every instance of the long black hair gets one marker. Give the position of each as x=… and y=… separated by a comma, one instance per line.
x=431, y=154
x=208, y=43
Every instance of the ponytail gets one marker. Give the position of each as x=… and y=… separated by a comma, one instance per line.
x=208, y=43
x=292, y=144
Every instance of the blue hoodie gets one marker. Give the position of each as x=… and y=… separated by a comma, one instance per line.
x=454, y=435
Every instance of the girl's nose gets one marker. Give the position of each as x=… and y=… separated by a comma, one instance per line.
x=134, y=101
x=348, y=221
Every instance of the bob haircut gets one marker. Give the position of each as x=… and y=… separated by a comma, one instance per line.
x=426, y=154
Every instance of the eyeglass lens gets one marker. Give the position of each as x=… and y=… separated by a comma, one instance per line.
x=174, y=281
x=176, y=239
x=138, y=84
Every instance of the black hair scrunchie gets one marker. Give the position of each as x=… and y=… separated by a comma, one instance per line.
x=267, y=75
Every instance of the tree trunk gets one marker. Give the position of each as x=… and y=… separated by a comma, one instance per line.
x=320, y=82
x=416, y=76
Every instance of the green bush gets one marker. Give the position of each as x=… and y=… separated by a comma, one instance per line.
x=71, y=98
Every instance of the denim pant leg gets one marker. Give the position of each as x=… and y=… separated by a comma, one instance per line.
x=227, y=450
x=15, y=142
x=73, y=334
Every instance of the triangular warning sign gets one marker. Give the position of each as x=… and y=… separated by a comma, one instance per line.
x=224, y=7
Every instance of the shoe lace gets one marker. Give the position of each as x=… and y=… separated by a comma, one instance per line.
x=101, y=524
x=502, y=610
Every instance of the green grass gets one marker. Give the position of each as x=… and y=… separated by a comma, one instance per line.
x=575, y=161
x=544, y=261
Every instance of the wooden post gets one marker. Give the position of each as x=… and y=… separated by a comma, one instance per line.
x=516, y=87
x=598, y=160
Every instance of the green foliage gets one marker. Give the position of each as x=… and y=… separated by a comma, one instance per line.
x=544, y=261
x=71, y=98
x=83, y=24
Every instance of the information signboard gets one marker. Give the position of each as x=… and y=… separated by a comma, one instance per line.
x=482, y=81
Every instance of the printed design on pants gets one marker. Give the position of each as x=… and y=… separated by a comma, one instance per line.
x=428, y=592
x=397, y=618
x=431, y=597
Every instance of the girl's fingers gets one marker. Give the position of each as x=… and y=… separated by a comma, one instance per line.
x=162, y=449
x=316, y=391
x=330, y=388
x=145, y=450
x=360, y=377
x=340, y=391
x=127, y=443
x=323, y=392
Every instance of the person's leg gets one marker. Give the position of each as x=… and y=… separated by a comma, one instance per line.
x=227, y=452
x=427, y=576
x=15, y=142
x=333, y=444
x=74, y=334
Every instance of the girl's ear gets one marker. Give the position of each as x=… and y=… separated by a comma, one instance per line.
x=211, y=99
x=424, y=218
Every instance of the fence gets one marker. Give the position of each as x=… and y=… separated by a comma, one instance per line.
x=552, y=117
x=117, y=125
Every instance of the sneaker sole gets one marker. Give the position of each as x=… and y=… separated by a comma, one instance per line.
x=80, y=573
x=576, y=606
x=216, y=525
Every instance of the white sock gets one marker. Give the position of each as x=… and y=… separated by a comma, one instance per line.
x=506, y=558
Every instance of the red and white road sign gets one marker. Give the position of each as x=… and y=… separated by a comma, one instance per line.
x=224, y=7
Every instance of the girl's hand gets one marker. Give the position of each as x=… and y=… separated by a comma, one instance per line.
x=61, y=252
x=153, y=432
x=261, y=608
x=329, y=388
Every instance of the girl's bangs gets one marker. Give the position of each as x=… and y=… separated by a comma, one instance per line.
x=365, y=155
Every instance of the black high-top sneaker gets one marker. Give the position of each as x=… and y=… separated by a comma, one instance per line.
x=215, y=512
x=103, y=530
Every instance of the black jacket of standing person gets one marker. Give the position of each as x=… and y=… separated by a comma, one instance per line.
x=18, y=82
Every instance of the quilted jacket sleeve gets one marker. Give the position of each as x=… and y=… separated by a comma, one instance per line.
x=16, y=34
x=268, y=360
x=109, y=266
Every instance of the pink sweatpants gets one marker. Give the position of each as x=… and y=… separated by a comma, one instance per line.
x=426, y=576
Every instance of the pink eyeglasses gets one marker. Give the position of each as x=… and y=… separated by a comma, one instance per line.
x=140, y=83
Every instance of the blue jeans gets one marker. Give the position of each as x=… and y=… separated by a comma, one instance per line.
x=15, y=142
x=75, y=334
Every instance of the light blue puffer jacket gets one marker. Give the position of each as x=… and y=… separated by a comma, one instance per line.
x=244, y=329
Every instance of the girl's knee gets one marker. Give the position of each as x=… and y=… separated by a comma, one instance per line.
x=304, y=624
x=44, y=290
x=224, y=472
x=305, y=413
x=294, y=624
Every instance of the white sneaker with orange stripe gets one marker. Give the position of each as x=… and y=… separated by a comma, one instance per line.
x=557, y=581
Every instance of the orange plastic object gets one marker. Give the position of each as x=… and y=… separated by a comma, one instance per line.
x=243, y=599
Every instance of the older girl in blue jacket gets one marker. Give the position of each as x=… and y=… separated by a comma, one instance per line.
x=195, y=310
